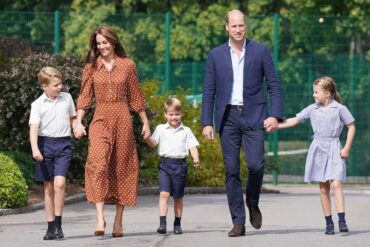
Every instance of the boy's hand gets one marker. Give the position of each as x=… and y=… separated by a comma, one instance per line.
x=79, y=131
x=146, y=131
x=37, y=156
x=196, y=163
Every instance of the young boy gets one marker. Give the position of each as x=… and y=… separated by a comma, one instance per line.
x=50, y=135
x=174, y=142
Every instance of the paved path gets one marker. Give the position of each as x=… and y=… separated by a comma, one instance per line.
x=291, y=218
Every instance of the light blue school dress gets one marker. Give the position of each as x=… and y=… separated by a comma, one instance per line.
x=323, y=159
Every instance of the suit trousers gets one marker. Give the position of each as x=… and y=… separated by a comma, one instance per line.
x=234, y=134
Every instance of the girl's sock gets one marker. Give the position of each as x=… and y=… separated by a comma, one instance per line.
x=341, y=217
x=329, y=220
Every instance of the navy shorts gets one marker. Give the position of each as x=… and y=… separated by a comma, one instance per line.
x=172, y=176
x=57, y=153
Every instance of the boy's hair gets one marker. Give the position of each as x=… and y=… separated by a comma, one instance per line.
x=47, y=75
x=328, y=84
x=173, y=103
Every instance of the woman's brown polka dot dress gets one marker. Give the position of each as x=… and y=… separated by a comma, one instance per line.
x=111, y=173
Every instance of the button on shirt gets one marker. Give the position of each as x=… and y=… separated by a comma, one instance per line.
x=174, y=143
x=53, y=116
x=238, y=74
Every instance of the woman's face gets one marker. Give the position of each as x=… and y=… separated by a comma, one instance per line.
x=105, y=48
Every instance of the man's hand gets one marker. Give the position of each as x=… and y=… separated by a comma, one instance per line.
x=208, y=132
x=270, y=124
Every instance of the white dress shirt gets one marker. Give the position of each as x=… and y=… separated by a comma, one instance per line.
x=53, y=116
x=174, y=143
x=238, y=74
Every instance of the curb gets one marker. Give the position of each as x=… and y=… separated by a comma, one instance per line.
x=141, y=192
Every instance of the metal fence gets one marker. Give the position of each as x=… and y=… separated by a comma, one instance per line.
x=303, y=48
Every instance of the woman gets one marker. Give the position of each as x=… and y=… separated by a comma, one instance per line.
x=111, y=173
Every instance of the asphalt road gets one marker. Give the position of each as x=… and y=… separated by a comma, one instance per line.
x=290, y=218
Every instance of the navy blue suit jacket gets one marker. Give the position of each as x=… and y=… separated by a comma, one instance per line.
x=258, y=65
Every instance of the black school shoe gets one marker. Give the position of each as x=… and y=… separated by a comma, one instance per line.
x=329, y=229
x=50, y=235
x=162, y=229
x=177, y=230
x=59, y=232
x=343, y=227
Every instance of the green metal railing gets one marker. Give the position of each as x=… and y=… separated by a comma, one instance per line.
x=303, y=48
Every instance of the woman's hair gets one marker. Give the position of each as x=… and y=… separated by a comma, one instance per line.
x=173, y=103
x=328, y=84
x=47, y=75
x=111, y=35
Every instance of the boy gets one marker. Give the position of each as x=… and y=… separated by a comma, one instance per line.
x=174, y=142
x=50, y=135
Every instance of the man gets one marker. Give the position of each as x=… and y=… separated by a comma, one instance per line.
x=233, y=92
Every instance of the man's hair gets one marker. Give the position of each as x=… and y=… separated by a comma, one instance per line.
x=173, y=103
x=47, y=75
x=232, y=12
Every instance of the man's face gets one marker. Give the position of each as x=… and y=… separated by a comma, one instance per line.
x=236, y=27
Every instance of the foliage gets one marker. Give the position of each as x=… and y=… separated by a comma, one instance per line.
x=13, y=187
x=26, y=165
x=211, y=171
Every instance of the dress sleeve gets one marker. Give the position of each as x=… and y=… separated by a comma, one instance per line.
x=345, y=115
x=304, y=114
x=87, y=89
x=135, y=96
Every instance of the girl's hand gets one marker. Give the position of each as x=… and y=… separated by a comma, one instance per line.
x=344, y=153
x=196, y=163
x=37, y=155
x=146, y=131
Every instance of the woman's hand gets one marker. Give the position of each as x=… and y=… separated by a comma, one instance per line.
x=79, y=130
x=146, y=131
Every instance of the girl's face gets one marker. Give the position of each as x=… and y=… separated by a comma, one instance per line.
x=173, y=118
x=53, y=89
x=321, y=96
x=105, y=48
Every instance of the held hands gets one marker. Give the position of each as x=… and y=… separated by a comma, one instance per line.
x=208, y=132
x=146, y=131
x=270, y=124
x=79, y=130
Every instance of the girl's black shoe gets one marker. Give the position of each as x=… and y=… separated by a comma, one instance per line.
x=329, y=229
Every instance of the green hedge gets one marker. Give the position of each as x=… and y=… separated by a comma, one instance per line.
x=13, y=187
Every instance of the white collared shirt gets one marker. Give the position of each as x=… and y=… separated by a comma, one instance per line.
x=174, y=143
x=53, y=116
x=238, y=74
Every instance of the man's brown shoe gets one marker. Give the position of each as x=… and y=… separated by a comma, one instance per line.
x=237, y=231
x=255, y=217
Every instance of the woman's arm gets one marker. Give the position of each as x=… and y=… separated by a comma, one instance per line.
x=78, y=128
x=146, y=127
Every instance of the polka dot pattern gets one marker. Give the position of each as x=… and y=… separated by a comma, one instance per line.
x=112, y=167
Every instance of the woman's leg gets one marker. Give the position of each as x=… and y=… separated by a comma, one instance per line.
x=117, y=225
x=100, y=221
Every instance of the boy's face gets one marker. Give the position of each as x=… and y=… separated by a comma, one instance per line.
x=53, y=89
x=173, y=118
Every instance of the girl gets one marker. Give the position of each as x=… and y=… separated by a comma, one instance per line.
x=325, y=159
